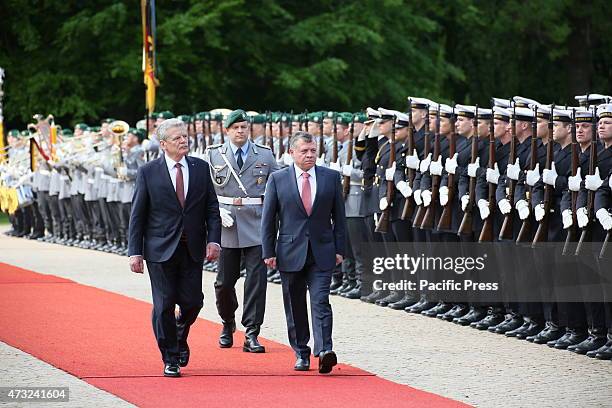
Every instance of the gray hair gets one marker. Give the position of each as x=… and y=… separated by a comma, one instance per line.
x=300, y=135
x=166, y=125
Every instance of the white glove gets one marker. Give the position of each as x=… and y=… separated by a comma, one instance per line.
x=465, y=200
x=504, y=206
x=383, y=204
x=335, y=166
x=226, y=218
x=513, y=170
x=362, y=134
x=493, y=175
x=426, y=196
x=523, y=209
x=550, y=176
x=573, y=182
x=412, y=161
x=443, y=195
x=451, y=164
x=424, y=165
x=347, y=170
x=122, y=171
x=533, y=176
x=145, y=144
x=287, y=159
x=539, y=212
x=593, y=182
x=610, y=182
x=390, y=172
x=604, y=218
x=582, y=217
x=404, y=188
x=435, y=168
x=417, y=197
x=320, y=161
x=374, y=130
x=566, y=218
x=472, y=168
x=483, y=207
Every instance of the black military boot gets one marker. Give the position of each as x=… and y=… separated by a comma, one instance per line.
x=512, y=322
x=571, y=337
x=597, y=338
x=347, y=287
x=336, y=283
x=374, y=296
x=421, y=305
x=251, y=344
x=604, y=352
x=440, y=308
x=456, y=312
x=392, y=297
x=551, y=332
x=493, y=318
x=226, y=339
x=354, y=293
x=476, y=314
x=407, y=300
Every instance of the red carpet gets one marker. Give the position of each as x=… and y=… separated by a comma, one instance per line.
x=107, y=340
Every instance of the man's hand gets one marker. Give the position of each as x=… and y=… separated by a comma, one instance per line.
x=493, y=175
x=270, y=262
x=451, y=164
x=212, y=251
x=339, y=259
x=136, y=264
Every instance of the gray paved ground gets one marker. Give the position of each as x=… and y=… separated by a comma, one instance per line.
x=481, y=369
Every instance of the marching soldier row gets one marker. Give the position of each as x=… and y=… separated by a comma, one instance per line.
x=516, y=172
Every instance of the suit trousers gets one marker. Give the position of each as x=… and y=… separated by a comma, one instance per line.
x=255, y=285
x=178, y=281
x=295, y=285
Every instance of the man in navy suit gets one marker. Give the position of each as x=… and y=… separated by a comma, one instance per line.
x=307, y=200
x=175, y=215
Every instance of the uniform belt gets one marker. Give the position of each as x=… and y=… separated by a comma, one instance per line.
x=240, y=200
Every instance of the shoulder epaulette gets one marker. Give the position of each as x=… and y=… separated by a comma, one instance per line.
x=214, y=146
x=263, y=145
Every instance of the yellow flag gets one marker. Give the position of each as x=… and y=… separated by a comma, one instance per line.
x=2, y=150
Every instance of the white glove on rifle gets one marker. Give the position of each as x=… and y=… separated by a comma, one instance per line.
x=582, y=217
x=472, y=168
x=550, y=176
x=424, y=165
x=593, y=182
x=383, y=204
x=604, y=218
x=347, y=170
x=533, y=176
x=539, y=212
x=493, y=175
x=567, y=219
x=451, y=164
x=426, y=196
x=404, y=188
x=435, y=168
x=573, y=182
x=390, y=172
x=465, y=200
x=412, y=161
x=226, y=217
x=523, y=209
x=483, y=207
x=417, y=197
x=443, y=194
x=321, y=160
x=513, y=170
x=504, y=206
x=335, y=166
x=287, y=159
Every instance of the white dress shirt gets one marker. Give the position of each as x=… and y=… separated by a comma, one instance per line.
x=312, y=180
x=172, y=170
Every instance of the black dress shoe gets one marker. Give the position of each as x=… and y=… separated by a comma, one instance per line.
x=512, y=322
x=226, y=339
x=184, y=357
x=354, y=293
x=327, y=359
x=533, y=329
x=551, y=332
x=594, y=342
x=172, y=370
x=347, y=287
x=251, y=344
x=457, y=311
x=302, y=364
x=420, y=306
x=493, y=318
x=520, y=329
x=406, y=301
x=476, y=314
x=390, y=298
x=335, y=285
x=604, y=353
x=374, y=296
x=274, y=276
x=440, y=308
x=575, y=336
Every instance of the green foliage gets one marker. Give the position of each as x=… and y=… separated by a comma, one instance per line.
x=81, y=61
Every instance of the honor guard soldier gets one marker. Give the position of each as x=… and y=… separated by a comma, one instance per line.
x=240, y=170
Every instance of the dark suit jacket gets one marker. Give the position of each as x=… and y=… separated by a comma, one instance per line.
x=324, y=229
x=158, y=220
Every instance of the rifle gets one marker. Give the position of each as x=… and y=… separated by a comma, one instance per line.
x=281, y=143
x=334, y=157
x=321, y=141
x=446, y=217
x=420, y=212
x=346, y=180
x=306, y=120
x=505, y=232
x=571, y=231
x=428, y=218
x=383, y=221
x=587, y=230
x=523, y=235
x=486, y=234
x=195, y=134
x=209, y=126
x=220, y=125
x=410, y=173
x=541, y=234
x=468, y=218
x=251, y=119
x=271, y=141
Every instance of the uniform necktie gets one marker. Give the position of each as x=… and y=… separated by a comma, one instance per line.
x=180, y=188
x=306, y=194
x=239, y=159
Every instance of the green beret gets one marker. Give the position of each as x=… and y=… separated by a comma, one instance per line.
x=360, y=117
x=67, y=133
x=216, y=117
x=38, y=116
x=108, y=120
x=165, y=115
x=24, y=133
x=315, y=117
x=81, y=126
x=142, y=134
x=235, y=116
x=201, y=115
x=344, y=118
x=13, y=133
x=154, y=115
x=259, y=118
x=95, y=129
x=184, y=118
x=330, y=114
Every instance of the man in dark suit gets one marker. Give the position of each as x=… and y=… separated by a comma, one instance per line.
x=175, y=214
x=308, y=202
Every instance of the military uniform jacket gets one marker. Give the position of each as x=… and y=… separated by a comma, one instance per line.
x=258, y=165
x=352, y=203
x=133, y=160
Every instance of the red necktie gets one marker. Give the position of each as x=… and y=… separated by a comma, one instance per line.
x=306, y=195
x=180, y=188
